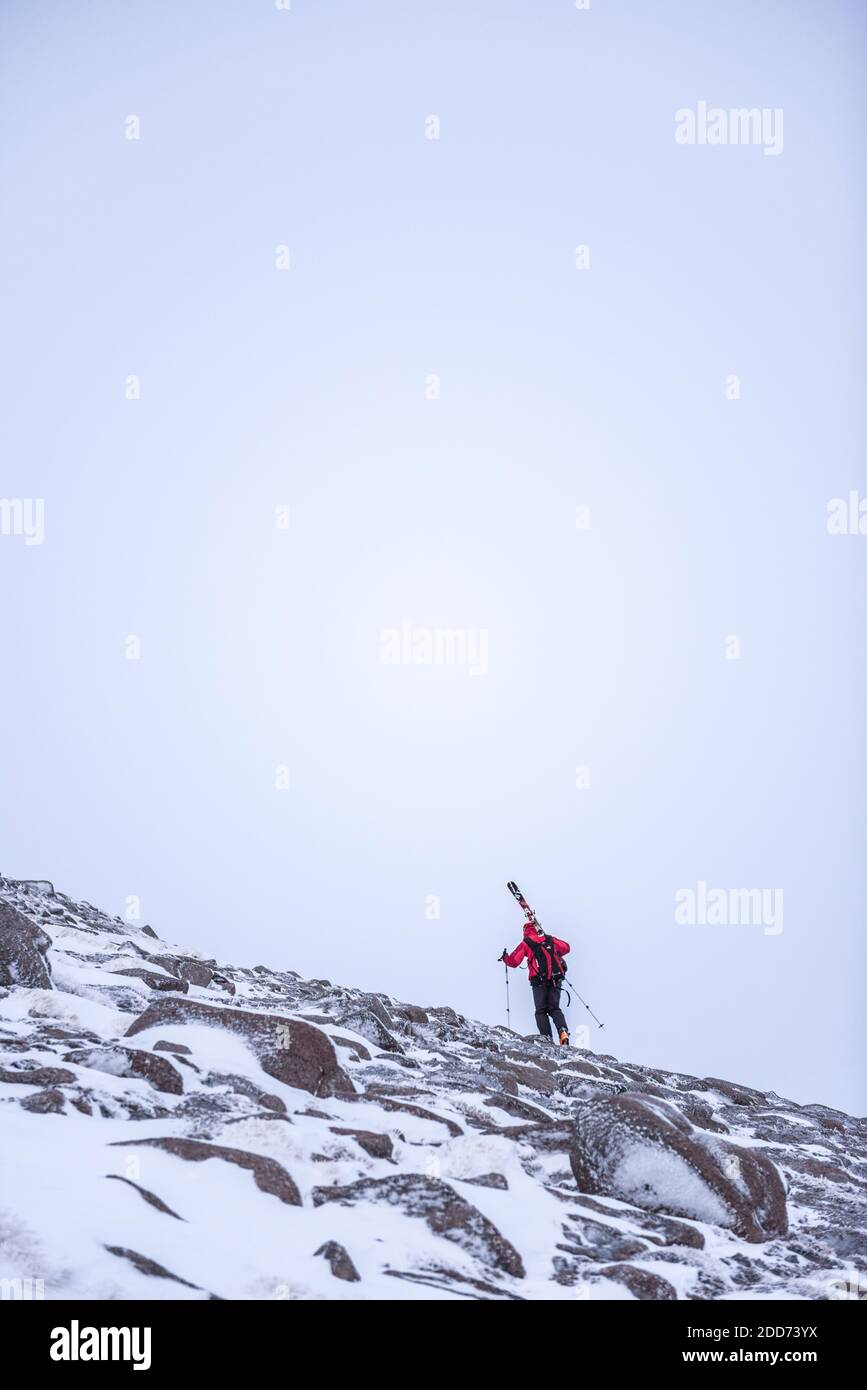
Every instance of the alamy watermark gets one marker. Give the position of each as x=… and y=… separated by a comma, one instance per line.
x=77, y=1343
x=408, y=645
x=23, y=516
x=730, y=907
x=847, y=516
x=850, y=1287
x=21, y=1290
x=734, y=125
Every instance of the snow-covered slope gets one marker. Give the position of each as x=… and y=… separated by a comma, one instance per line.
x=174, y=1128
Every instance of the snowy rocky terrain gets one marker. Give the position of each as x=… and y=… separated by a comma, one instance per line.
x=171, y=1127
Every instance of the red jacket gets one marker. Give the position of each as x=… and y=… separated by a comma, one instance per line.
x=524, y=952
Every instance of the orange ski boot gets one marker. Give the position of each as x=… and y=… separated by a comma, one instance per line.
x=564, y=1038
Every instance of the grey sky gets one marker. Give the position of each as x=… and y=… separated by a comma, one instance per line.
x=432, y=387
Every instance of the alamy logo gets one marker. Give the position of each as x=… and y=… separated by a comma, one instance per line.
x=435, y=646
x=76, y=1343
x=851, y=1288
x=21, y=1289
x=847, y=516
x=730, y=907
x=736, y=125
x=23, y=516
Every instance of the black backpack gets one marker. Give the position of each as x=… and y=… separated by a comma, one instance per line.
x=556, y=962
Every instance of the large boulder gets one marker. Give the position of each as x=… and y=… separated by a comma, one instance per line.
x=642, y=1150
x=23, y=951
x=435, y=1202
x=293, y=1052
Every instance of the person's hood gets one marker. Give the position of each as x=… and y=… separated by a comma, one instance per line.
x=531, y=930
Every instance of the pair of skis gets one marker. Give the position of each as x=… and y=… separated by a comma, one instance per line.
x=531, y=916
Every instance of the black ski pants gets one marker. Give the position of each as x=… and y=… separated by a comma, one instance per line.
x=546, y=1002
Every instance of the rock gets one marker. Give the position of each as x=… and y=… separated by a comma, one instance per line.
x=738, y=1095
x=653, y=1226
x=162, y=983
x=821, y=1168
x=144, y=1265
x=665, y=1230
x=23, y=951
x=489, y=1180
x=224, y=982
x=38, y=1076
x=446, y=1213
x=166, y=962
x=178, y=1048
x=117, y=1060
x=272, y=1103
x=358, y=1048
x=447, y=1017
x=156, y=1070
x=338, y=1258
x=377, y=1145
x=700, y=1113
x=404, y=1107
x=44, y=1103
x=455, y=1281
x=583, y=1068
x=640, y=1282
x=398, y=1059
x=412, y=1013
x=68, y=1035
x=375, y=1005
x=589, y=1240
x=293, y=1052
x=534, y=1078
x=644, y=1151
x=149, y=931
x=195, y=973
x=521, y=1109
x=269, y=1175
x=150, y=1197
x=537, y=1059
x=364, y=1021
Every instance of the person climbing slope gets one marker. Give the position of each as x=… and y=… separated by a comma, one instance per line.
x=544, y=955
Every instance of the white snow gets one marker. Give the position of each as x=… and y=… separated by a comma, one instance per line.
x=654, y=1177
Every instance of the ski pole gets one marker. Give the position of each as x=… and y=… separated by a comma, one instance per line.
x=572, y=988
x=508, y=1010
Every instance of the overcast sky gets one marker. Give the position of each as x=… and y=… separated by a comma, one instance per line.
x=334, y=328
